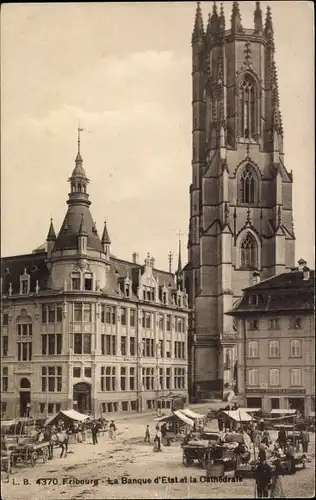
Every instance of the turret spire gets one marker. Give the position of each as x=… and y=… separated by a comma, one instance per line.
x=51, y=232
x=213, y=22
x=105, y=240
x=258, y=19
x=82, y=230
x=236, y=25
x=221, y=19
x=198, y=30
x=79, y=157
x=179, y=270
x=268, y=29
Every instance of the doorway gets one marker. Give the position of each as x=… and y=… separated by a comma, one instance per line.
x=25, y=397
x=82, y=397
x=297, y=404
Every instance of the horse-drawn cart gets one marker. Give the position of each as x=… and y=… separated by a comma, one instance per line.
x=29, y=453
x=195, y=452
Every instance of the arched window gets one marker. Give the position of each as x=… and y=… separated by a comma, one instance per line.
x=249, y=253
x=25, y=383
x=247, y=122
x=247, y=186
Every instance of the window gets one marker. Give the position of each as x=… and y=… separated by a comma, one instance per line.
x=132, y=317
x=161, y=322
x=132, y=378
x=296, y=349
x=25, y=329
x=50, y=408
x=124, y=405
x=134, y=405
x=179, y=323
x=57, y=407
x=248, y=252
x=247, y=186
x=179, y=350
x=123, y=378
x=253, y=324
x=5, y=319
x=148, y=378
x=108, y=315
x=123, y=316
x=168, y=378
x=87, y=313
x=88, y=282
x=274, y=324
x=161, y=379
x=247, y=109
x=253, y=376
x=5, y=345
x=253, y=349
x=3, y=407
x=87, y=372
x=274, y=376
x=146, y=320
x=4, y=379
x=132, y=346
x=42, y=407
x=77, y=312
x=296, y=376
x=168, y=348
x=82, y=343
x=127, y=289
x=52, y=313
x=253, y=300
x=51, y=344
x=168, y=326
x=75, y=281
x=179, y=378
x=107, y=378
x=108, y=345
x=123, y=346
x=24, y=286
x=161, y=346
x=24, y=351
x=76, y=372
x=148, y=347
x=51, y=378
x=274, y=349
x=296, y=323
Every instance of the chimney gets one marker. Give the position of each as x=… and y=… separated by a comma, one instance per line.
x=306, y=273
x=301, y=264
x=255, y=278
x=135, y=258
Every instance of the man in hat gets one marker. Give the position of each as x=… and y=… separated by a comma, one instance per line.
x=263, y=476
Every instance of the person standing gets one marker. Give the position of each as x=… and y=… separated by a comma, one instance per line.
x=94, y=432
x=263, y=478
x=305, y=440
x=147, y=435
x=282, y=437
x=158, y=438
x=277, y=486
x=112, y=428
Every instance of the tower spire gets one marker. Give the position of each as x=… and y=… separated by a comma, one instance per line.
x=51, y=232
x=179, y=270
x=105, y=240
x=258, y=19
x=198, y=30
x=213, y=22
x=221, y=19
x=236, y=25
x=268, y=29
x=79, y=157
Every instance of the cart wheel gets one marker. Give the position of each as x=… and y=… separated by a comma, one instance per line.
x=45, y=454
x=33, y=458
x=185, y=460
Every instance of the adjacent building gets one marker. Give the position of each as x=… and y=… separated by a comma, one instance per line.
x=86, y=330
x=241, y=217
x=276, y=342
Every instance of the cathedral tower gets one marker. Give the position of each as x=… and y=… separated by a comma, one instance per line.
x=241, y=218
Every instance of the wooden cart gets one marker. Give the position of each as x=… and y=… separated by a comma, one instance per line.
x=29, y=453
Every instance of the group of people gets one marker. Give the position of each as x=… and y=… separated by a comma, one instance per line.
x=160, y=433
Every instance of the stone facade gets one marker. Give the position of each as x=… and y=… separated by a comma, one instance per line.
x=241, y=216
x=83, y=329
x=276, y=343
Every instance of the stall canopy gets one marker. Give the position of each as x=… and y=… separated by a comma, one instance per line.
x=238, y=415
x=175, y=416
x=312, y=414
x=68, y=414
x=191, y=414
x=249, y=410
x=283, y=412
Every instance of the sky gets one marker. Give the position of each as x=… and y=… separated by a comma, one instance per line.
x=124, y=71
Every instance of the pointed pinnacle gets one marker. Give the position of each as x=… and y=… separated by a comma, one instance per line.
x=222, y=19
x=258, y=18
x=236, y=25
x=198, y=30
x=82, y=229
x=105, y=236
x=51, y=232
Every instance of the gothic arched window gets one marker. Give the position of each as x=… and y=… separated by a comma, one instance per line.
x=249, y=252
x=247, y=125
x=247, y=186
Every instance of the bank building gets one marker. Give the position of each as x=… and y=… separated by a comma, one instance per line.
x=83, y=329
x=241, y=218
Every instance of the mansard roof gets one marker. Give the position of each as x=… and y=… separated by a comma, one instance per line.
x=68, y=235
x=282, y=293
x=13, y=267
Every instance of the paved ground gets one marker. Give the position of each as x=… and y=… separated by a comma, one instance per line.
x=103, y=466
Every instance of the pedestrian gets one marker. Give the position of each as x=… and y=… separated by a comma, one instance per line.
x=305, y=439
x=261, y=425
x=112, y=430
x=263, y=478
x=147, y=435
x=289, y=452
x=79, y=433
x=282, y=437
x=94, y=432
x=157, y=439
x=277, y=486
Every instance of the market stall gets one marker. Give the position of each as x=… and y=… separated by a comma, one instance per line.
x=68, y=416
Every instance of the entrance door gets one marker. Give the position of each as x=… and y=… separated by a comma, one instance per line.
x=82, y=396
x=25, y=402
x=297, y=404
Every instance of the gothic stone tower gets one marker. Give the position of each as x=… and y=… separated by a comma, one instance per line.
x=241, y=221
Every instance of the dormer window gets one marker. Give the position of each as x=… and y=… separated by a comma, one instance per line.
x=164, y=297
x=24, y=283
x=253, y=300
x=127, y=289
x=88, y=282
x=75, y=281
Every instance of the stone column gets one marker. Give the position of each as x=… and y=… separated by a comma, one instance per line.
x=118, y=331
x=127, y=378
x=94, y=382
x=70, y=382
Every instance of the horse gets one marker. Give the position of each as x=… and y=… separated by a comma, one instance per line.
x=61, y=439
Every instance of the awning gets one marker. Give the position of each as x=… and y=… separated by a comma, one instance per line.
x=8, y=423
x=176, y=415
x=70, y=414
x=164, y=418
x=238, y=415
x=191, y=414
x=312, y=414
x=283, y=412
x=250, y=410
x=184, y=418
